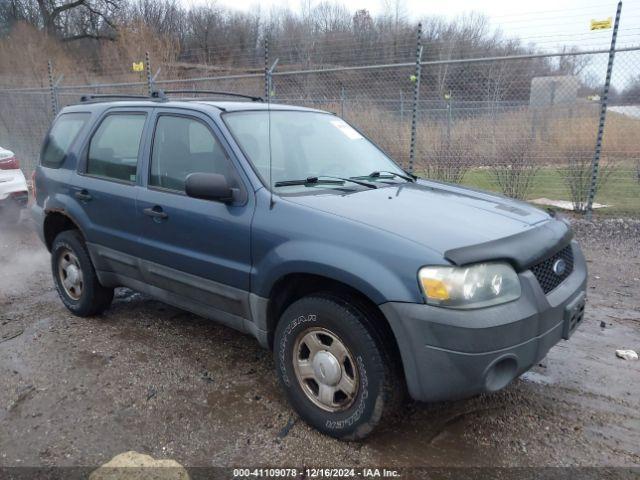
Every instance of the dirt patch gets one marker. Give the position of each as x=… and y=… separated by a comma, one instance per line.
x=153, y=379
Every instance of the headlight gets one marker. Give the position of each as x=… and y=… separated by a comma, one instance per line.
x=473, y=286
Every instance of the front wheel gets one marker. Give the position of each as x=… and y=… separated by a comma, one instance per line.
x=335, y=368
x=75, y=278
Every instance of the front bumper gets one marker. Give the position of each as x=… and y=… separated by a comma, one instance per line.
x=449, y=354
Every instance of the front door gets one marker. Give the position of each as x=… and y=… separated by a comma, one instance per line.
x=195, y=249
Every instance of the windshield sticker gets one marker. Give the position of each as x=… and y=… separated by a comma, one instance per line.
x=347, y=129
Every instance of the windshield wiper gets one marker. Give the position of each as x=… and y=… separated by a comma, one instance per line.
x=378, y=174
x=323, y=180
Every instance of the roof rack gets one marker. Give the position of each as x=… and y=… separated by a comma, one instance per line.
x=211, y=92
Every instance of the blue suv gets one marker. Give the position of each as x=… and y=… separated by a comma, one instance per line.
x=286, y=223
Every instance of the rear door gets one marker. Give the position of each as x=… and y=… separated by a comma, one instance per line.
x=198, y=249
x=106, y=187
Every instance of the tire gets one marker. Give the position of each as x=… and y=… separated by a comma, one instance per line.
x=87, y=296
x=369, y=364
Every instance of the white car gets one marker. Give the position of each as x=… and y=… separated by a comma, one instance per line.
x=14, y=192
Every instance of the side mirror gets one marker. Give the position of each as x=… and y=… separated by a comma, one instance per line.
x=209, y=186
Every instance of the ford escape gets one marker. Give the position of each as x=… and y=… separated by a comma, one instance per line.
x=288, y=224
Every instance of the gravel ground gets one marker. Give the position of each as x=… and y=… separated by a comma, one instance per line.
x=154, y=379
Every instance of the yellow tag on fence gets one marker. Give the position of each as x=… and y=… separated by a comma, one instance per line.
x=138, y=67
x=601, y=24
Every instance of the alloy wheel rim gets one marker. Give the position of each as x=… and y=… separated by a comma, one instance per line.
x=325, y=369
x=70, y=274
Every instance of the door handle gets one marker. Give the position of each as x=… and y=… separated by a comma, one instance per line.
x=83, y=195
x=156, y=212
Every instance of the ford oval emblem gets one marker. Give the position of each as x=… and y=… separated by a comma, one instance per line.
x=559, y=267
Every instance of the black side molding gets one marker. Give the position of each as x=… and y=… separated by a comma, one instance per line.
x=522, y=250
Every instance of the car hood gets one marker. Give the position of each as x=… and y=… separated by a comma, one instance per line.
x=439, y=216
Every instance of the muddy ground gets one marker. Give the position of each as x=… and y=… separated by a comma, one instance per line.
x=154, y=379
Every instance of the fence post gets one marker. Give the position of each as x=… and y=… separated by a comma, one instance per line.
x=416, y=97
x=595, y=164
x=52, y=89
x=267, y=87
x=147, y=67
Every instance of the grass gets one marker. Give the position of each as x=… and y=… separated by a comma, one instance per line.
x=621, y=191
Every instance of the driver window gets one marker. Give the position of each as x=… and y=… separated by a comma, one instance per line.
x=182, y=146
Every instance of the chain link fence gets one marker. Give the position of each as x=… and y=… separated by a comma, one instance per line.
x=523, y=125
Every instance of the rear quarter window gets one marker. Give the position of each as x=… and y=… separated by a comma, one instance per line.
x=64, y=131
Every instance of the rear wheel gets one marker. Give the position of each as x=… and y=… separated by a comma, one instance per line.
x=75, y=278
x=337, y=373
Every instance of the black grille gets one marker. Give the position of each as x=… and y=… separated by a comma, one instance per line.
x=543, y=271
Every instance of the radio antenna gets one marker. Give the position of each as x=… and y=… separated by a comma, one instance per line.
x=269, y=74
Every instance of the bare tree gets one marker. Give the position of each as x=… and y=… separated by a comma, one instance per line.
x=631, y=94
x=14, y=11
x=65, y=19
x=76, y=19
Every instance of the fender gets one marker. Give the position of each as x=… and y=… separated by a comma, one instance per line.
x=65, y=205
x=345, y=265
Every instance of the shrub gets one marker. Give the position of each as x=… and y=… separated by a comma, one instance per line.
x=450, y=159
x=576, y=173
x=514, y=166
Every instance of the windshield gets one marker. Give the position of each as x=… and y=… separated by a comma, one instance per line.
x=306, y=145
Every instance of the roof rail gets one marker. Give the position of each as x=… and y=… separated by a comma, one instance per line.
x=160, y=94
x=107, y=96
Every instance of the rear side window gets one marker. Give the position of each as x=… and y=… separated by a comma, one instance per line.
x=182, y=146
x=114, y=148
x=62, y=134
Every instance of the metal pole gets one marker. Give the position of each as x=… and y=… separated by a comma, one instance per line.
x=416, y=97
x=595, y=164
x=342, y=99
x=147, y=64
x=267, y=79
x=52, y=89
x=401, y=108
